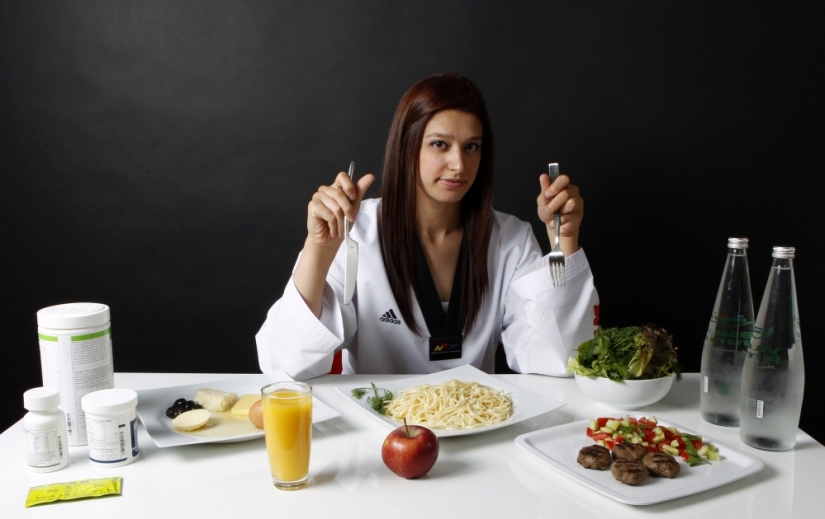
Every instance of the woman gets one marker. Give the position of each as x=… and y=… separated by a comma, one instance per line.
x=442, y=277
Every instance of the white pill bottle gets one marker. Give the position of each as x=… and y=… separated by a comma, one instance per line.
x=76, y=357
x=111, y=424
x=47, y=449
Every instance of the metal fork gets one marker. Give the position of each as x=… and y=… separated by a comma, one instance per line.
x=556, y=256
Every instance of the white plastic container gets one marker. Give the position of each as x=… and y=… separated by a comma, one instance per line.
x=111, y=427
x=76, y=357
x=45, y=429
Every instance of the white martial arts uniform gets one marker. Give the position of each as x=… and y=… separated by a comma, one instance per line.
x=537, y=323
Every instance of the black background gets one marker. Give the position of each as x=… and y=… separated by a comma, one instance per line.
x=158, y=156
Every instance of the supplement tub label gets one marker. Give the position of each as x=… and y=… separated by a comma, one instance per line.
x=77, y=365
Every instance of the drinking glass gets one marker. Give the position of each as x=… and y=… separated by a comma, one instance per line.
x=287, y=410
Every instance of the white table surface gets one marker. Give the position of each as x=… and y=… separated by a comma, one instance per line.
x=483, y=475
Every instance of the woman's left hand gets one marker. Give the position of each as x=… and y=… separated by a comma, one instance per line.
x=561, y=196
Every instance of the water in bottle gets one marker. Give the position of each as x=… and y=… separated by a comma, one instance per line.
x=727, y=340
x=773, y=378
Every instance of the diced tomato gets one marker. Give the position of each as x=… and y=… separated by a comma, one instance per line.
x=684, y=454
x=603, y=421
x=653, y=448
x=609, y=444
x=697, y=444
x=633, y=421
x=644, y=421
x=618, y=439
x=590, y=432
x=649, y=435
x=601, y=436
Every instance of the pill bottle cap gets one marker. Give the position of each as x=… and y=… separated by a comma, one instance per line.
x=41, y=398
x=109, y=401
x=73, y=315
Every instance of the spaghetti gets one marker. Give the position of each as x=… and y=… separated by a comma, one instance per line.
x=451, y=405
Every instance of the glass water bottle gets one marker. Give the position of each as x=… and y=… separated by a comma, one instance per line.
x=773, y=378
x=727, y=340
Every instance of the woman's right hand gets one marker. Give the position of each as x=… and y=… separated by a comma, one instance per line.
x=325, y=232
x=330, y=205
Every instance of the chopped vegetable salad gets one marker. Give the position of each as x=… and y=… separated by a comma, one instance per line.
x=647, y=432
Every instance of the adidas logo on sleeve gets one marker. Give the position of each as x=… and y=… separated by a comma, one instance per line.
x=389, y=317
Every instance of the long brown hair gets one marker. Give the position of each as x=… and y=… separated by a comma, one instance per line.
x=397, y=231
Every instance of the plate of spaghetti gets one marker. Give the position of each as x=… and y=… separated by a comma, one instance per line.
x=454, y=402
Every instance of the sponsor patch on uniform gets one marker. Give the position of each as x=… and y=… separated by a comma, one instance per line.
x=444, y=348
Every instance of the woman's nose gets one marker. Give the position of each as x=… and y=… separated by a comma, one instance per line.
x=456, y=161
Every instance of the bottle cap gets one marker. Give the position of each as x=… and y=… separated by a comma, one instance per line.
x=784, y=252
x=738, y=243
x=41, y=398
x=73, y=315
x=109, y=401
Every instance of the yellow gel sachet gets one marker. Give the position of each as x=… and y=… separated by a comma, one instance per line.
x=73, y=490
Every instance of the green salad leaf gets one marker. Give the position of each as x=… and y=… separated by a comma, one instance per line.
x=628, y=353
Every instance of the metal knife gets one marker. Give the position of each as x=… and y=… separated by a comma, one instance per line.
x=351, y=255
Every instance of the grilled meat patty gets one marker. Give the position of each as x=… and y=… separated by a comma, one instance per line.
x=661, y=464
x=594, y=457
x=629, y=451
x=629, y=472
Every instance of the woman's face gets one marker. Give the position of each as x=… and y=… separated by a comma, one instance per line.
x=449, y=158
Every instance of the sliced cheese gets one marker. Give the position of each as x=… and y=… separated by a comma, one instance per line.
x=215, y=400
x=191, y=420
x=241, y=408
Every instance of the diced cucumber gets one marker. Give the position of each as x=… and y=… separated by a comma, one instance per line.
x=594, y=425
x=673, y=451
x=613, y=424
x=659, y=435
x=675, y=443
x=703, y=451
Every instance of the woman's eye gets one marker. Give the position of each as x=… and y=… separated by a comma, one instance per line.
x=473, y=146
x=438, y=144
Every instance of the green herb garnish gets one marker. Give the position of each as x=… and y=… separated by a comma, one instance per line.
x=377, y=402
x=693, y=458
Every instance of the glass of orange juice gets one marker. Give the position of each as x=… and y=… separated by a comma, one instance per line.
x=287, y=410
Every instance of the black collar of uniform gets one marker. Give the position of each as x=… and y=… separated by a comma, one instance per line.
x=438, y=322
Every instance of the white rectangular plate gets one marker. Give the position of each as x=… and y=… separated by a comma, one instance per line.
x=526, y=404
x=559, y=447
x=152, y=405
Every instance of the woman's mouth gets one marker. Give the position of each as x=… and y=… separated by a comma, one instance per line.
x=452, y=183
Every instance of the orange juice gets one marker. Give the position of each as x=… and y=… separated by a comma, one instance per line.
x=287, y=411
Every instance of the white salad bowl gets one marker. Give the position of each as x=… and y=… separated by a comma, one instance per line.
x=626, y=395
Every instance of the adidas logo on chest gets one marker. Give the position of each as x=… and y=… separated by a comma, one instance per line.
x=389, y=317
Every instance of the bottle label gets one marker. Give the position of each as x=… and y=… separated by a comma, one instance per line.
x=77, y=365
x=730, y=331
x=764, y=353
x=44, y=448
x=106, y=439
x=755, y=407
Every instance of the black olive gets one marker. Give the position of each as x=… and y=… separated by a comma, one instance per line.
x=180, y=401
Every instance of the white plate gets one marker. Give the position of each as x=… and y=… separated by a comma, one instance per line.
x=526, y=404
x=559, y=447
x=152, y=405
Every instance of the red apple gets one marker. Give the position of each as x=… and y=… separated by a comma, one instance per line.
x=410, y=451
